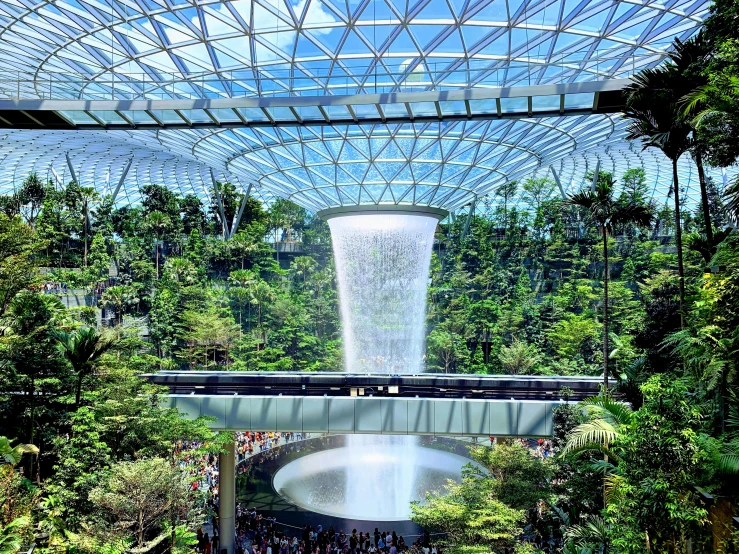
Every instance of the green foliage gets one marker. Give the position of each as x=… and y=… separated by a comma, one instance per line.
x=654, y=501
x=139, y=497
x=486, y=512
x=18, y=268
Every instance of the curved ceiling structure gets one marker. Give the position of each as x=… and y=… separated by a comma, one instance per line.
x=313, y=49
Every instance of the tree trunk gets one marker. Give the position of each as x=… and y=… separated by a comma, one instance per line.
x=78, y=394
x=704, y=198
x=605, y=309
x=84, y=231
x=679, y=241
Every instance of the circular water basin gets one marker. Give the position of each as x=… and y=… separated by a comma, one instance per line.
x=373, y=478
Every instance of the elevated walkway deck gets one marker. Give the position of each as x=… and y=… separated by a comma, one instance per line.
x=423, y=404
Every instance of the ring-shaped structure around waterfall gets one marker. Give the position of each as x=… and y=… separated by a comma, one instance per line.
x=318, y=482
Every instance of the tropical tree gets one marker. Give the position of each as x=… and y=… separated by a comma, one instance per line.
x=82, y=348
x=506, y=191
x=302, y=266
x=85, y=197
x=519, y=358
x=243, y=244
x=689, y=59
x=180, y=270
x=119, y=297
x=141, y=497
x=603, y=210
x=157, y=222
x=654, y=106
x=32, y=195
x=608, y=419
x=261, y=293
x=18, y=263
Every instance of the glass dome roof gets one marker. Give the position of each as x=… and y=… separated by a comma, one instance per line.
x=313, y=49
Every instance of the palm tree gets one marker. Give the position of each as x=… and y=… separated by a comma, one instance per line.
x=609, y=418
x=82, y=348
x=157, y=222
x=260, y=293
x=244, y=245
x=86, y=196
x=603, y=210
x=654, y=106
x=119, y=297
x=687, y=58
x=12, y=454
x=303, y=266
x=506, y=191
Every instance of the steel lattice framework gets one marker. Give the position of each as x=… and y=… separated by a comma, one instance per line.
x=322, y=49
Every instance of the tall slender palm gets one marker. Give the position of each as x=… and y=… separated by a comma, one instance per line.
x=86, y=196
x=157, y=222
x=82, y=348
x=506, y=191
x=603, y=210
x=244, y=245
x=653, y=105
x=119, y=297
x=687, y=58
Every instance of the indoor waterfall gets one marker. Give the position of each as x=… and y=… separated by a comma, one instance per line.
x=382, y=268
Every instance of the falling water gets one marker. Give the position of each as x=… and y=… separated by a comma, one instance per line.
x=382, y=266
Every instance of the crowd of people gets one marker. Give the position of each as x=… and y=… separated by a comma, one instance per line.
x=259, y=535
x=53, y=287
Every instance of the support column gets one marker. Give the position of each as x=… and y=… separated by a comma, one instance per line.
x=227, y=499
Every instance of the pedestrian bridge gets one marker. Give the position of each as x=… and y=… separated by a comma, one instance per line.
x=425, y=404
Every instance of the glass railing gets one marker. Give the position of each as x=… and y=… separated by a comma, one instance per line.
x=296, y=82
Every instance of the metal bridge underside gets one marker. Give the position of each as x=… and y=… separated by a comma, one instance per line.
x=567, y=99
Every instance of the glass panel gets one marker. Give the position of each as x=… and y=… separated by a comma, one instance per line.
x=366, y=111
x=310, y=113
x=79, y=117
x=167, y=116
x=138, y=117
x=252, y=114
x=109, y=117
x=394, y=110
x=579, y=100
x=281, y=114
x=514, y=105
x=337, y=112
x=421, y=109
x=545, y=103
x=196, y=116
x=224, y=115
x=453, y=108
x=483, y=106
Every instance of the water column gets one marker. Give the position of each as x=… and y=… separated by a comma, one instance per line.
x=382, y=260
x=382, y=267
